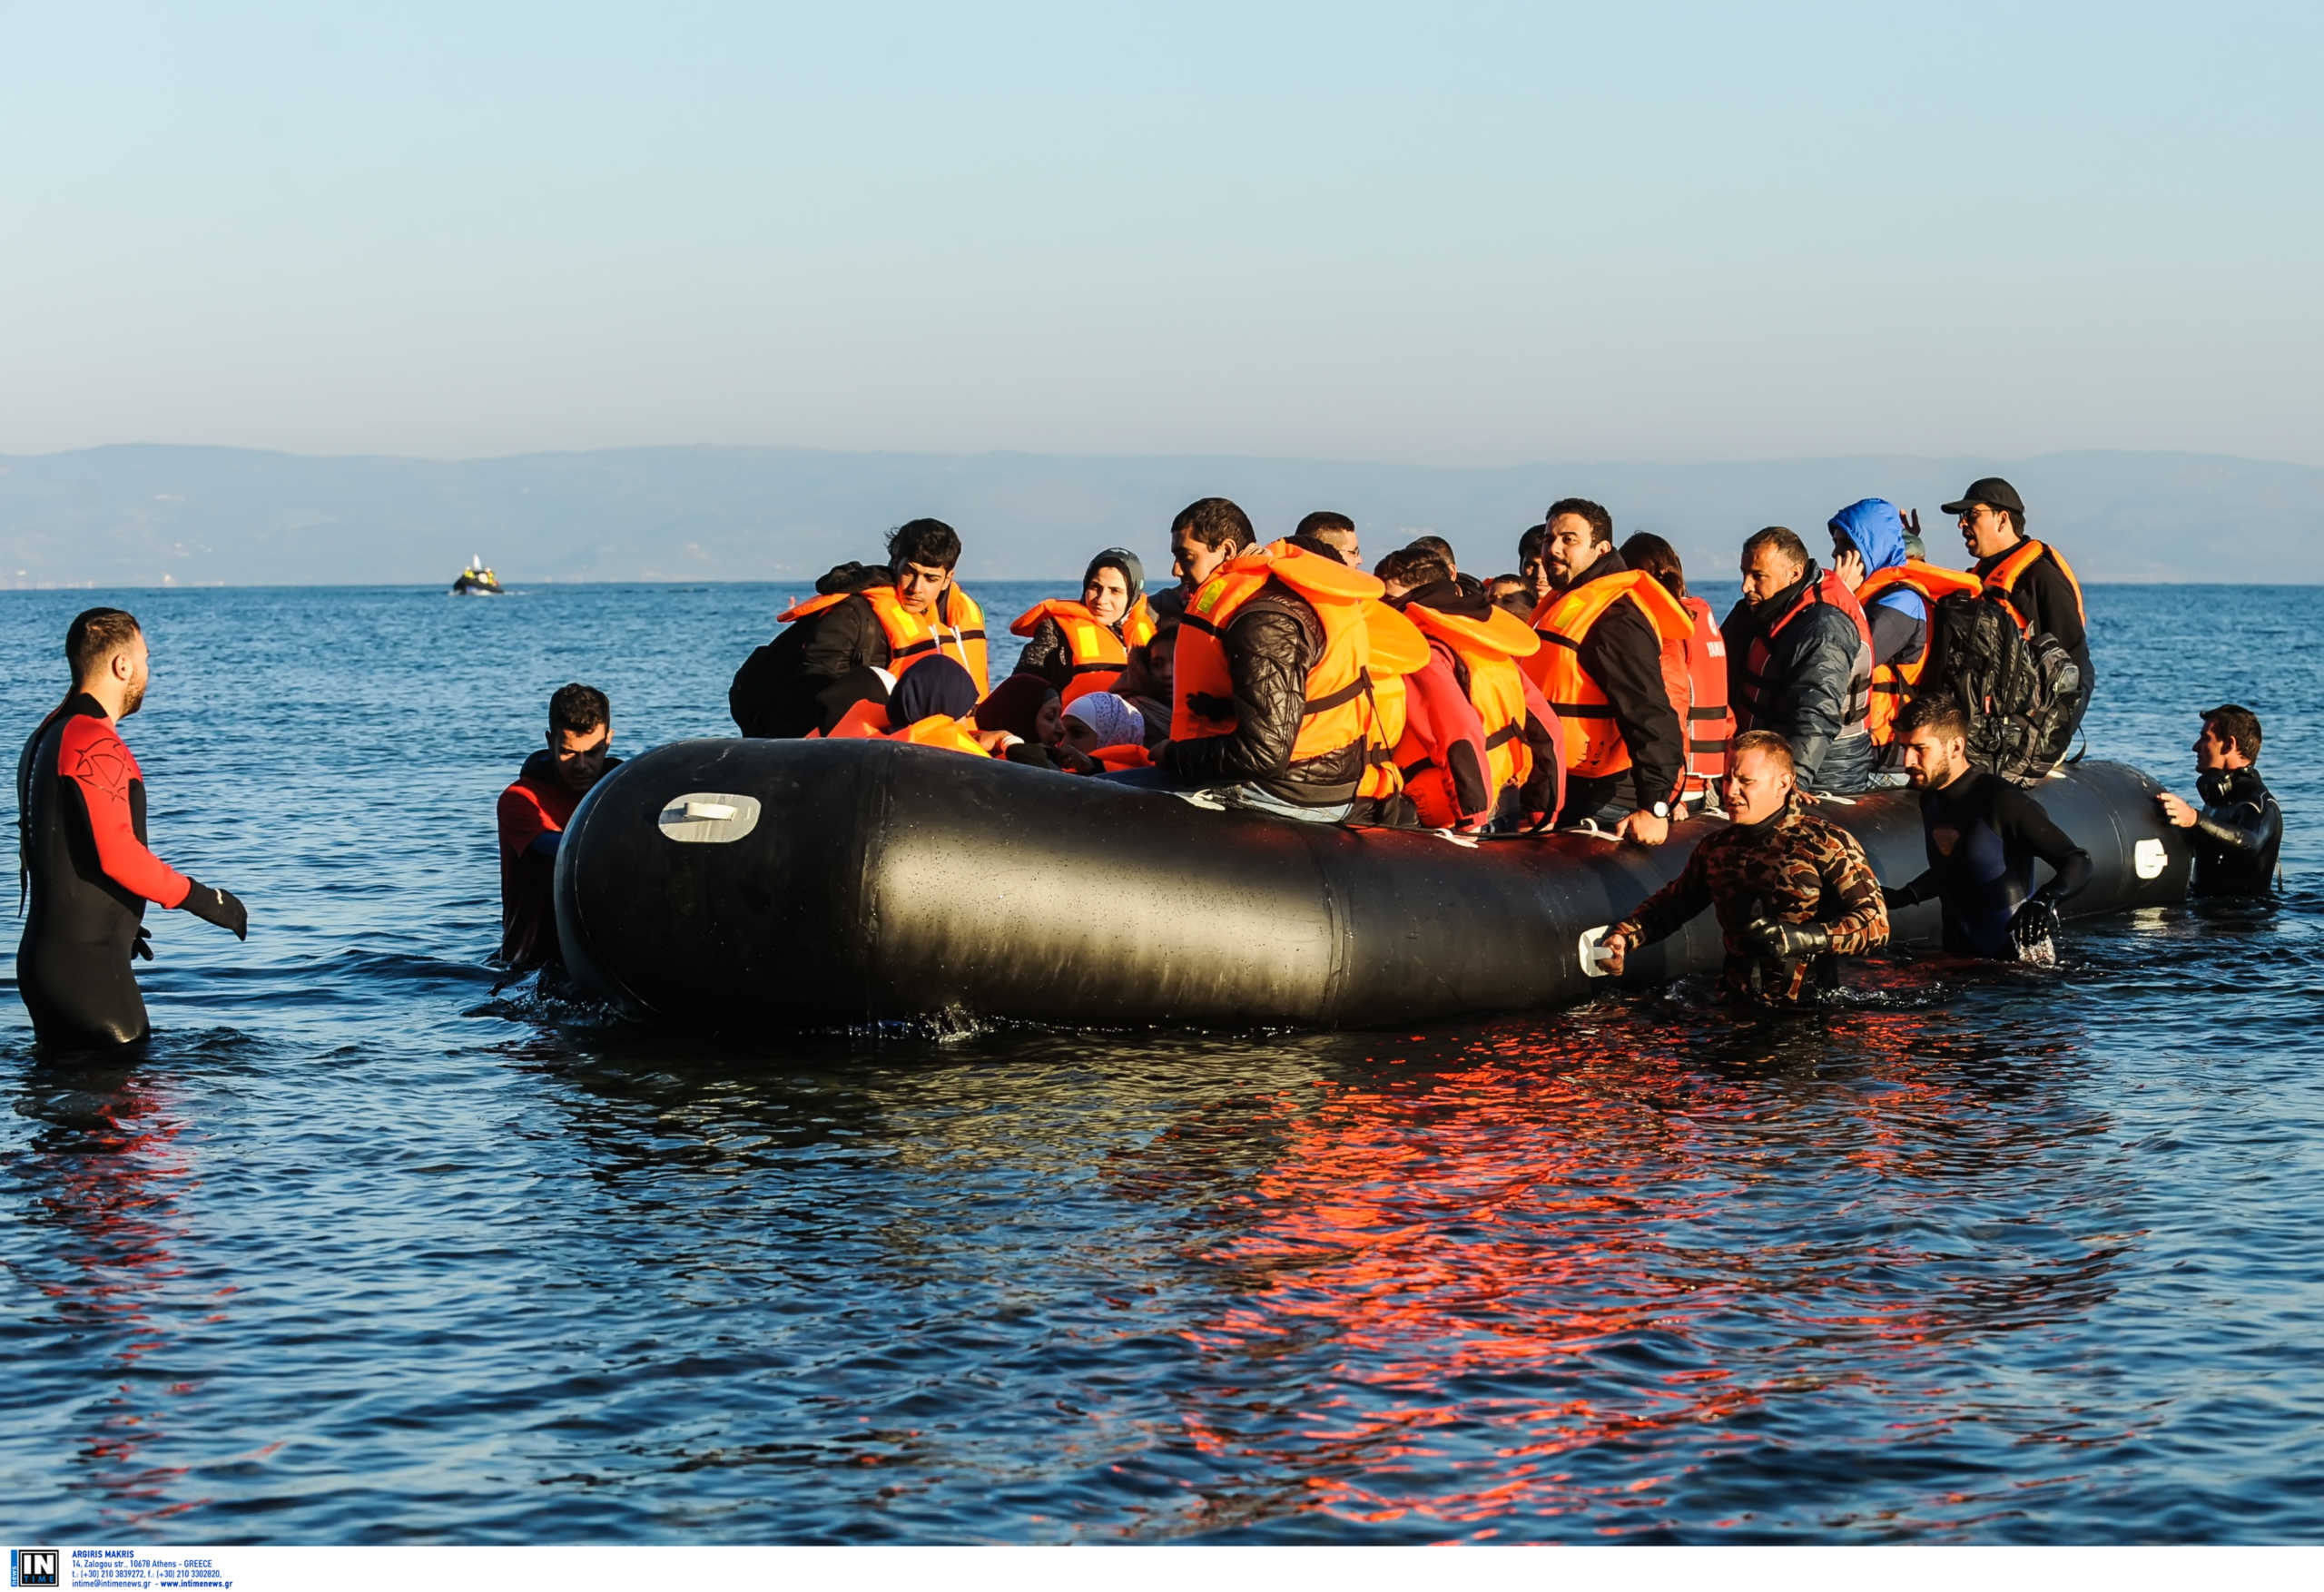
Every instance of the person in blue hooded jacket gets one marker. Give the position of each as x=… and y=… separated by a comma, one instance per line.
x=1867, y=537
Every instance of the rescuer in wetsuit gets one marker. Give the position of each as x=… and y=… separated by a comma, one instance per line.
x=1983, y=835
x=80, y=810
x=533, y=813
x=2239, y=829
x=1793, y=892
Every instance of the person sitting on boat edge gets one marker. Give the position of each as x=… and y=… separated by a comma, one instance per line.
x=2032, y=579
x=772, y=696
x=919, y=612
x=1602, y=626
x=2239, y=829
x=532, y=816
x=1084, y=646
x=1106, y=729
x=1793, y=892
x=1799, y=662
x=1268, y=672
x=1983, y=836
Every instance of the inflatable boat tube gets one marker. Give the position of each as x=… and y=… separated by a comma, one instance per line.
x=724, y=884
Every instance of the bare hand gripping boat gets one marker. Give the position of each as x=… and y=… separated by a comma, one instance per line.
x=726, y=884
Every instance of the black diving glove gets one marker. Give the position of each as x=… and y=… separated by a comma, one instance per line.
x=1787, y=942
x=142, y=947
x=1896, y=898
x=219, y=906
x=2036, y=921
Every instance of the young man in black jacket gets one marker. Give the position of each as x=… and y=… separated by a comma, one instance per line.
x=2239, y=829
x=1800, y=663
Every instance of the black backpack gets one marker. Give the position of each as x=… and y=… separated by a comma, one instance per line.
x=2020, y=690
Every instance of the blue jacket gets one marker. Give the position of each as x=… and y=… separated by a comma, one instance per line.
x=1877, y=530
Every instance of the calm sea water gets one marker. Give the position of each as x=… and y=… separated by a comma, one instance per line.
x=360, y=1251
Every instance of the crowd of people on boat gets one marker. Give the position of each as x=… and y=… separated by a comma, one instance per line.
x=1586, y=688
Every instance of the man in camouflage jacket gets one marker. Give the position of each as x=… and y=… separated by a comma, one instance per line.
x=1793, y=892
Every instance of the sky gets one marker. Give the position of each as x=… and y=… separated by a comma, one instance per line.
x=1444, y=234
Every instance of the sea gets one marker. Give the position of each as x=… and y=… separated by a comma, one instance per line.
x=367, y=1247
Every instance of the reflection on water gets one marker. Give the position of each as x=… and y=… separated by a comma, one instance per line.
x=359, y=1251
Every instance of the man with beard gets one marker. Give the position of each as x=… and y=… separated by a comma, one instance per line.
x=81, y=807
x=1983, y=835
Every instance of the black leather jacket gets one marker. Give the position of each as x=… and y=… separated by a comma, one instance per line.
x=1271, y=644
x=1819, y=676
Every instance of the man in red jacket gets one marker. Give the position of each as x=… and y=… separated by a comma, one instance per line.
x=534, y=812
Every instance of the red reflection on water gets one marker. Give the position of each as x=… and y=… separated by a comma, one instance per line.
x=114, y=1170
x=1486, y=1268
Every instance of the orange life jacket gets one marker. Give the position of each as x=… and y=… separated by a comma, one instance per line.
x=955, y=631
x=1114, y=759
x=946, y=734
x=807, y=605
x=1339, y=712
x=1594, y=747
x=1829, y=590
x=1703, y=713
x=865, y=719
x=1488, y=651
x=1398, y=649
x=1095, y=655
x=1892, y=682
x=2002, y=580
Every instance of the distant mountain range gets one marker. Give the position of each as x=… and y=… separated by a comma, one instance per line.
x=140, y=515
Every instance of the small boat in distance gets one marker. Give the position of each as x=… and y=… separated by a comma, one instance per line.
x=476, y=581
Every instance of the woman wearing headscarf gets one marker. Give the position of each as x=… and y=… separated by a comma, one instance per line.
x=1024, y=712
x=1080, y=647
x=929, y=706
x=1109, y=730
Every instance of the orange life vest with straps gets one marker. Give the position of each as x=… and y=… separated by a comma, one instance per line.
x=1488, y=651
x=1694, y=672
x=955, y=631
x=1339, y=712
x=1398, y=649
x=1095, y=655
x=1594, y=746
x=1892, y=682
x=2002, y=580
x=868, y=721
x=1829, y=590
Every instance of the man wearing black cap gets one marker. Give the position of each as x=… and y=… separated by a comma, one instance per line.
x=2028, y=576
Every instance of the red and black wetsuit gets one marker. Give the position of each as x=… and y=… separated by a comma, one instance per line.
x=534, y=812
x=82, y=799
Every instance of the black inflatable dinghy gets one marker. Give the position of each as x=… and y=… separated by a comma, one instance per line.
x=733, y=884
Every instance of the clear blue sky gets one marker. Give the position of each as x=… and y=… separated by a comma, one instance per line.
x=1443, y=233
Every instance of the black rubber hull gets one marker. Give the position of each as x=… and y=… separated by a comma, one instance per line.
x=888, y=881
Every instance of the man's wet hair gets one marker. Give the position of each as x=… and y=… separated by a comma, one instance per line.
x=1325, y=519
x=1438, y=545
x=1602, y=524
x=1782, y=538
x=2238, y=725
x=929, y=542
x=1656, y=557
x=1529, y=544
x=576, y=708
x=1939, y=711
x=96, y=636
x=1414, y=567
x=1214, y=522
x=1762, y=741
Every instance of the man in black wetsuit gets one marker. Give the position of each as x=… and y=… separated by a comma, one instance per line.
x=2240, y=828
x=81, y=807
x=1983, y=835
